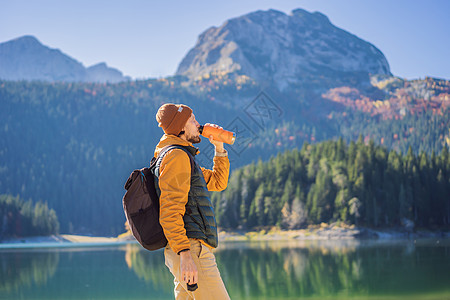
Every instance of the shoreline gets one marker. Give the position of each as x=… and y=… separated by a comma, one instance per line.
x=59, y=241
x=329, y=232
x=313, y=232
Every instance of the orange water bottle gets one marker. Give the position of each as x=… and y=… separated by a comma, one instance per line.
x=218, y=134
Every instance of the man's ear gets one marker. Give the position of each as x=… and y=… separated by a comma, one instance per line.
x=183, y=130
x=185, y=125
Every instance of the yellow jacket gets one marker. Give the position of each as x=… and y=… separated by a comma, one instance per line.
x=175, y=183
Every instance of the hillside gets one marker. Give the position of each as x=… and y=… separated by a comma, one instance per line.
x=74, y=145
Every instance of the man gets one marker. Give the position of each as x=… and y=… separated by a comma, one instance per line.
x=186, y=213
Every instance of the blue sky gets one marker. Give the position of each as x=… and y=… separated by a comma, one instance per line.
x=149, y=38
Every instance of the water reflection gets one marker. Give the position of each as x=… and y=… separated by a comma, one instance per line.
x=275, y=270
x=149, y=266
x=343, y=269
x=20, y=269
x=265, y=270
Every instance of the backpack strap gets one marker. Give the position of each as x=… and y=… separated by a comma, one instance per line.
x=164, y=152
x=148, y=174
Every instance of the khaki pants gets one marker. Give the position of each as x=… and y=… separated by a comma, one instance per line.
x=210, y=284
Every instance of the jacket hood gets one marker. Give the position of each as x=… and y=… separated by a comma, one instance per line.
x=169, y=139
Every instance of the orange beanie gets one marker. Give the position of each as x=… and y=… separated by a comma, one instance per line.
x=172, y=117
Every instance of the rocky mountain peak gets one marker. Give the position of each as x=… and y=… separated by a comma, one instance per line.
x=273, y=46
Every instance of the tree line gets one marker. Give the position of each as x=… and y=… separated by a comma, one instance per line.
x=21, y=218
x=334, y=181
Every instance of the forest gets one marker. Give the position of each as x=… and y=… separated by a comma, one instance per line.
x=357, y=183
x=21, y=218
x=73, y=145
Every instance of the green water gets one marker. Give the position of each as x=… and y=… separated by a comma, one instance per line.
x=270, y=270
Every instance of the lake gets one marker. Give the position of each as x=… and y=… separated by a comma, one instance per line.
x=372, y=269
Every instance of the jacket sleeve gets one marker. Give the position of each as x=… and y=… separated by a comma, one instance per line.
x=217, y=178
x=174, y=183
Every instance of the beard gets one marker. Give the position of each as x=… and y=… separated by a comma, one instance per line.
x=194, y=139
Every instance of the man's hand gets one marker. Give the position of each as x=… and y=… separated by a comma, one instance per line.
x=189, y=273
x=217, y=144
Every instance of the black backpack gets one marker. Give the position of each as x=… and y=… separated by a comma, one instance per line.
x=141, y=204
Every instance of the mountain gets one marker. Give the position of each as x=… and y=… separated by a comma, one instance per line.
x=275, y=47
x=102, y=73
x=25, y=58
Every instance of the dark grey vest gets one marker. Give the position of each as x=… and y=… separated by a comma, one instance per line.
x=199, y=220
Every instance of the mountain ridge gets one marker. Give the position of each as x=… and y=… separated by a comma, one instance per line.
x=26, y=58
